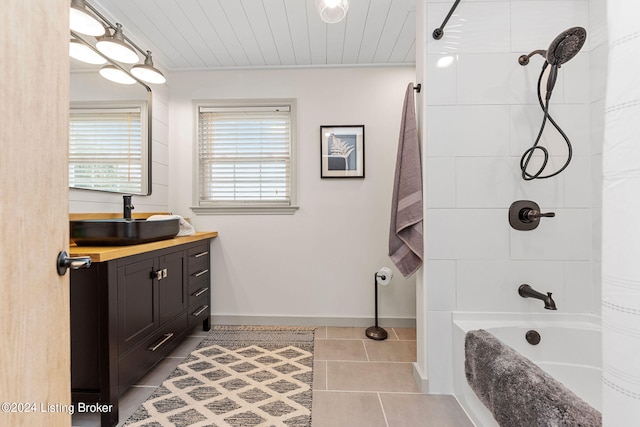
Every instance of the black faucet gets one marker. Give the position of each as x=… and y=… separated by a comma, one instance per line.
x=128, y=207
x=527, y=291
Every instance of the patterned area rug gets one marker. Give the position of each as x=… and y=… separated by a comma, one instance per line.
x=238, y=376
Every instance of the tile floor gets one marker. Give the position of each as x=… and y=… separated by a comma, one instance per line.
x=357, y=382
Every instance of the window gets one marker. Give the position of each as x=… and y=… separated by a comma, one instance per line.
x=246, y=158
x=107, y=147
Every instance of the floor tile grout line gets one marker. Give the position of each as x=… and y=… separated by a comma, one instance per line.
x=366, y=353
x=366, y=361
x=358, y=339
x=384, y=414
x=326, y=375
x=412, y=393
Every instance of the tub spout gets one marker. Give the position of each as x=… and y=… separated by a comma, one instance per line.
x=527, y=291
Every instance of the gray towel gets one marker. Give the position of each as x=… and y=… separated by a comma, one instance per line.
x=406, y=247
x=516, y=391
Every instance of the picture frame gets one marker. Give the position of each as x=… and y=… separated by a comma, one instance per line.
x=342, y=151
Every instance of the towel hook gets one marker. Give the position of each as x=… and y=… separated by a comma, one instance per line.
x=418, y=87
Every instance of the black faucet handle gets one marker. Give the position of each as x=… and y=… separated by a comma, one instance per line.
x=530, y=215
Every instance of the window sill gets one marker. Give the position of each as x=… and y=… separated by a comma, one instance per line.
x=244, y=210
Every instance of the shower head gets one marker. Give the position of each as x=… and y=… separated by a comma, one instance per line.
x=566, y=46
x=562, y=48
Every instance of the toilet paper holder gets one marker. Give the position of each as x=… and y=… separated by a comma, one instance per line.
x=381, y=277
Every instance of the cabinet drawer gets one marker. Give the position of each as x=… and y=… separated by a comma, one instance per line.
x=200, y=310
x=199, y=282
x=199, y=276
x=198, y=258
x=198, y=293
x=138, y=361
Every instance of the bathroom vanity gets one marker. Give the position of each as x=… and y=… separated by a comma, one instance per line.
x=130, y=309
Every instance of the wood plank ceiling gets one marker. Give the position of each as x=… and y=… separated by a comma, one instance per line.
x=233, y=34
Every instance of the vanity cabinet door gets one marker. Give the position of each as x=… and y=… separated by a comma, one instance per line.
x=172, y=286
x=137, y=302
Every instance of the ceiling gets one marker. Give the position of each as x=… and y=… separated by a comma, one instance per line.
x=233, y=34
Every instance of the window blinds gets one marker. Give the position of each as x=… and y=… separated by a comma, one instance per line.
x=244, y=155
x=106, y=149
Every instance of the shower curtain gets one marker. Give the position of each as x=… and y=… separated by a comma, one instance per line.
x=620, y=223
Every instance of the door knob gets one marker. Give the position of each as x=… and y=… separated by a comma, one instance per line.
x=65, y=262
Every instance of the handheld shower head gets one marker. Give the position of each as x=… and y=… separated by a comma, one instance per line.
x=566, y=46
x=562, y=48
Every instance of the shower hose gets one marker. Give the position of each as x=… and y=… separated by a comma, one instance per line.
x=526, y=156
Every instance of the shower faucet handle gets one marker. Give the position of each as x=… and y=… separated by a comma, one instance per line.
x=525, y=215
x=529, y=215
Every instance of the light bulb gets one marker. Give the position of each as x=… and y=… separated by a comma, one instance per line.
x=82, y=52
x=116, y=75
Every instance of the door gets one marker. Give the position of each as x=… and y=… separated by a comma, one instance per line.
x=137, y=301
x=35, y=380
x=172, y=286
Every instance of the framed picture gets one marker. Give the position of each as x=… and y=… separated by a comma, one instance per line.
x=342, y=151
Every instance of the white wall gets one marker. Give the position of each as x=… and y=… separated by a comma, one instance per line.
x=482, y=114
x=318, y=263
x=81, y=201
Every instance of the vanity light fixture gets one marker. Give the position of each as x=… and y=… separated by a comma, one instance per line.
x=116, y=75
x=147, y=72
x=332, y=11
x=115, y=47
x=84, y=53
x=82, y=21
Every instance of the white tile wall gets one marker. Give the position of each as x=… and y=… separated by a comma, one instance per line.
x=576, y=73
x=578, y=183
x=578, y=286
x=468, y=130
x=526, y=121
x=441, y=82
x=486, y=182
x=474, y=27
x=534, y=24
x=482, y=113
x=567, y=236
x=440, y=334
x=441, y=284
x=467, y=234
x=498, y=78
x=598, y=67
x=474, y=140
x=494, y=284
x=441, y=182
x=597, y=23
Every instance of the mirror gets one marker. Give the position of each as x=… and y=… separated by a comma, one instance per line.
x=94, y=98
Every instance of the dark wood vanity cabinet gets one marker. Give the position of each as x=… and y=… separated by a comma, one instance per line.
x=128, y=313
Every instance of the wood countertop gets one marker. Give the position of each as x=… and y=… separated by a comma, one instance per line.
x=108, y=253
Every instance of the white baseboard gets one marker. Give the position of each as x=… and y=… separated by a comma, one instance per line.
x=421, y=380
x=356, y=322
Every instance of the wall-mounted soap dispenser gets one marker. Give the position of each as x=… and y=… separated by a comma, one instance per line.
x=525, y=215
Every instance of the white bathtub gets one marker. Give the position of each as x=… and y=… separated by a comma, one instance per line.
x=570, y=350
